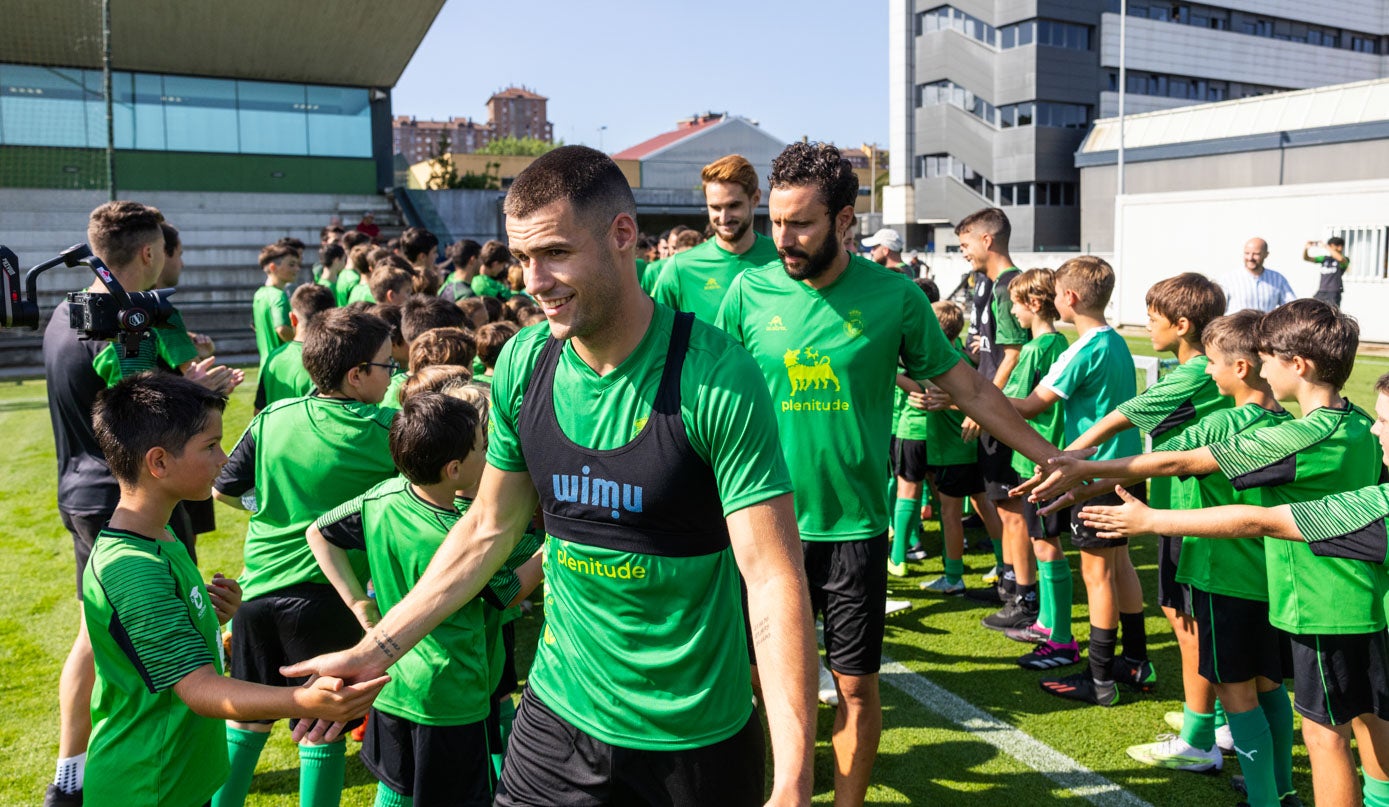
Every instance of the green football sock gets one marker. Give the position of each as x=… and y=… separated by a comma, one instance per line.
x=1044, y=596
x=1057, y=573
x=243, y=752
x=1220, y=717
x=998, y=554
x=1376, y=792
x=321, y=771
x=1254, y=746
x=954, y=570
x=903, y=514
x=1198, y=729
x=1279, y=713
x=385, y=797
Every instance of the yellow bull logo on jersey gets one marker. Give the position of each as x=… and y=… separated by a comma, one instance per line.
x=818, y=372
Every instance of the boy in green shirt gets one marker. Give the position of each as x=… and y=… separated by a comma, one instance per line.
x=1033, y=295
x=270, y=306
x=283, y=375
x=356, y=270
x=1332, y=608
x=300, y=458
x=490, y=282
x=332, y=260
x=160, y=694
x=464, y=259
x=1093, y=376
x=426, y=738
x=932, y=442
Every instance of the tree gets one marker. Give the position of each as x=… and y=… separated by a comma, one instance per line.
x=518, y=146
x=443, y=174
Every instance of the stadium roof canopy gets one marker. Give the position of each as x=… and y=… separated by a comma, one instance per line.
x=1338, y=113
x=362, y=43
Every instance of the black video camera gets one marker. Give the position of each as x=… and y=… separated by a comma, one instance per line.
x=117, y=315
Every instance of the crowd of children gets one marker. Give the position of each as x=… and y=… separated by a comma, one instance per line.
x=368, y=445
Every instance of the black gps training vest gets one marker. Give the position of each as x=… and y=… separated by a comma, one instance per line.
x=654, y=495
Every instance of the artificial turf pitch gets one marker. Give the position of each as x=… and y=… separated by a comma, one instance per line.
x=923, y=759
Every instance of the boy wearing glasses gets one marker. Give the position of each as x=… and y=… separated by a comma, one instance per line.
x=298, y=459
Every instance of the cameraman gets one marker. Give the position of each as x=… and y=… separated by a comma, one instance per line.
x=127, y=236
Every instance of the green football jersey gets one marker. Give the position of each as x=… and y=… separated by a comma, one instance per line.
x=392, y=397
x=151, y=624
x=303, y=457
x=829, y=357
x=348, y=279
x=1230, y=568
x=1354, y=524
x=1164, y=410
x=113, y=365
x=269, y=310
x=1327, y=451
x=175, y=345
x=697, y=279
x=283, y=375
x=645, y=651
x=442, y=680
x=944, y=445
x=649, y=275
x=1034, y=361
x=908, y=423
x=360, y=293
x=456, y=289
x=484, y=286
x=1093, y=377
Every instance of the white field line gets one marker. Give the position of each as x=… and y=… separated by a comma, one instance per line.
x=1056, y=766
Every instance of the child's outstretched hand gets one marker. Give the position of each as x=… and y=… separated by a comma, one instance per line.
x=1119, y=521
x=225, y=594
x=331, y=701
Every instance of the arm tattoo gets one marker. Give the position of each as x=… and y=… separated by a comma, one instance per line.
x=761, y=631
x=389, y=648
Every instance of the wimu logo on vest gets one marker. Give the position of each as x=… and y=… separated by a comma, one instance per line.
x=597, y=492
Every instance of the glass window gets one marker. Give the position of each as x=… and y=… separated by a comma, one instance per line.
x=1005, y=194
x=45, y=106
x=200, y=114
x=1043, y=32
x=339, y=122
x=1008, y=36
x=1026, y=32
x=1069, y=198
x=1024, y=193
x=1025, y=114
x=273, y=118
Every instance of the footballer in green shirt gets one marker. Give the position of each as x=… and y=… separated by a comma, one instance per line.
x=270, y=306
x=697, y=279
x=828, y=331
x=644, y=651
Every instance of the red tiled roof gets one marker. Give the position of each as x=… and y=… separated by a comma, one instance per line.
x=518, y=92
x=646, y=147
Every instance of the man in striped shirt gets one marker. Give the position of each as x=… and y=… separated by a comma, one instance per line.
x=1256, y=287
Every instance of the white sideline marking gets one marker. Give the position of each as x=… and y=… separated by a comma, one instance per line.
x=1038, y=756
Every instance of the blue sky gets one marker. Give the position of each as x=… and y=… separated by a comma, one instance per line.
x=798, y=68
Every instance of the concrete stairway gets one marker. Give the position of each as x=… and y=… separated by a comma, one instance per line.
x=222, y=234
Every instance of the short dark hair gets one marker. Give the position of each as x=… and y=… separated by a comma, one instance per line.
x=353, y=238
x=443, y=346
x=586, y=178
x=146, y=411
x=493, y=306
x=331, y=253
x=171, y=239
x=430, y=431
x=417, y=241
x=990, y=220
x=276, y=252
x=1236, y=335
x=389, y=277
x=491, y=338
x=118, y=230
x=1190, y=295
x=421, y=313
x=929, y=288
x=389, y=314
x=470, y=306
x=495, y=251
x=338, y=340
x=951, y=318
x=293, y=243
x=331, y=229
x=310, y=300
x=1336, y=241
x=464, y=251
x=1318, y=332
x=818, y=165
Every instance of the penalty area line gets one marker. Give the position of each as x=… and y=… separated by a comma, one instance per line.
x=1040, y=757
